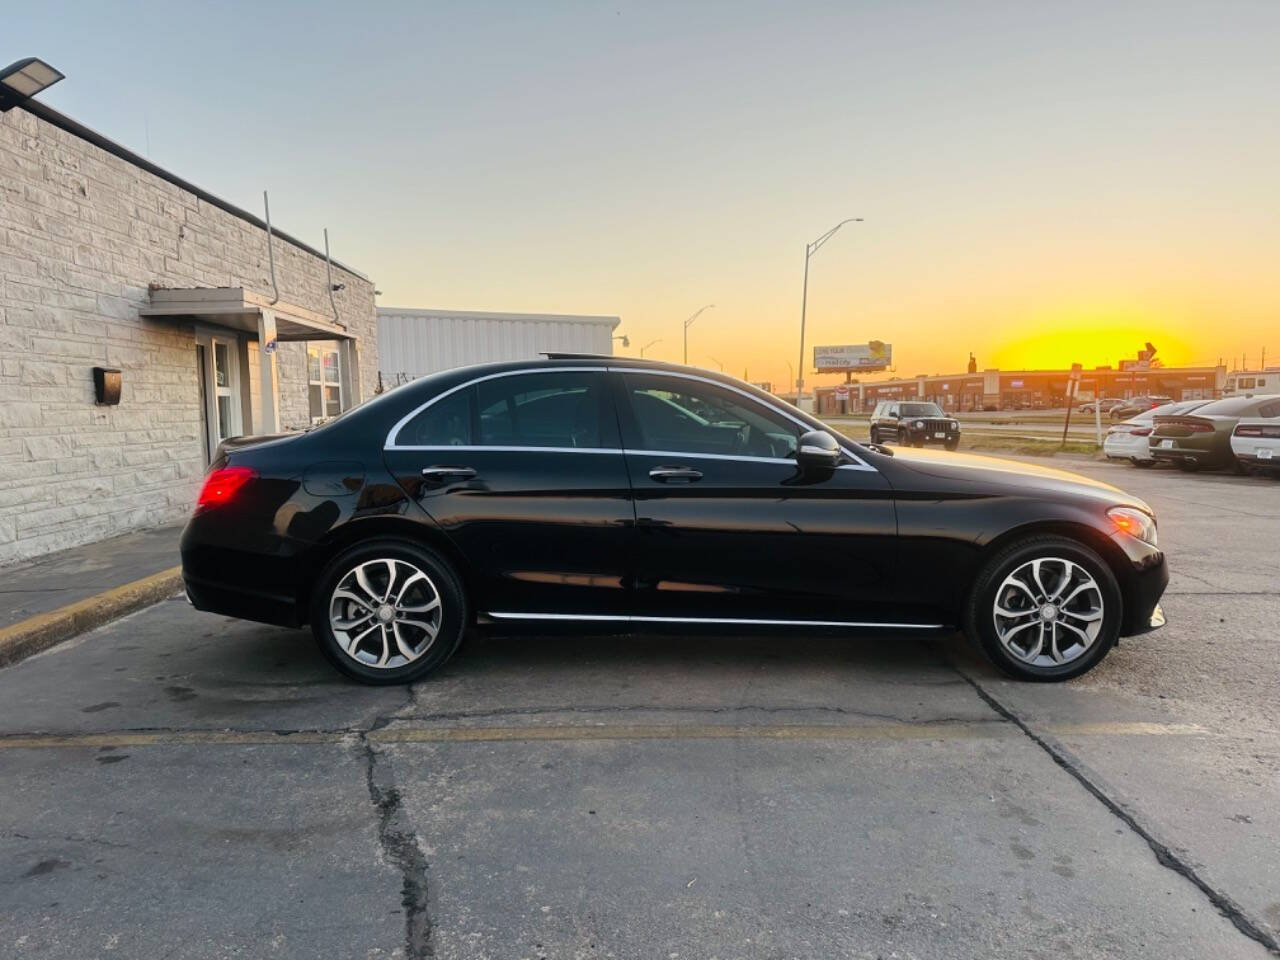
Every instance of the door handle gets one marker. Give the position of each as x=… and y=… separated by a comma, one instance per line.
x=665, y=474
x=447, y=473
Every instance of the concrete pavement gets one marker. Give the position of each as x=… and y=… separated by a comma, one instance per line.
x=186, y=784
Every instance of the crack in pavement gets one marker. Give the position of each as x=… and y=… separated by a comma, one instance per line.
x=1164, y=853
x=400, y=847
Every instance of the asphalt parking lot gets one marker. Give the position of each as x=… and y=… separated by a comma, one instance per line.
x=179, y=784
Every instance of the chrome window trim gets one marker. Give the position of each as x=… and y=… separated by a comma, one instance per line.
x=729, y=621
x=390, y=442
x=486, y=448
x=393, y=434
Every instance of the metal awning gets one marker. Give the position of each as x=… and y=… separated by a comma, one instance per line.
x=241, y=309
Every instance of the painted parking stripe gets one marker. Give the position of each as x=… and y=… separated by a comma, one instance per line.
x=579, y=732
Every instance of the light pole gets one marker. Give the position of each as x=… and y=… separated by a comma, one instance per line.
x=648, y=345
x=717, y=363
x=689, y=323
x=809, y=250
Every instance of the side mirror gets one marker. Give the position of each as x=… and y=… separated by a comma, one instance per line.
x=818, y=449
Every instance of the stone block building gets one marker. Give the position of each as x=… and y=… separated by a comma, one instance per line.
x=108, y=261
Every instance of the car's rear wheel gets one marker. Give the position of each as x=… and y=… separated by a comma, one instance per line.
x=388, y=611
x=1187, y=466
x=1046, y=609
x=875, y=435
x=1139, y=462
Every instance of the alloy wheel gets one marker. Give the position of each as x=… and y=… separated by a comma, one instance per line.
x=385, y=613
x=1048, y=612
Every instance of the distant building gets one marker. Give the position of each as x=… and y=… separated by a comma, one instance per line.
x=1031, y=389
x=413, y=342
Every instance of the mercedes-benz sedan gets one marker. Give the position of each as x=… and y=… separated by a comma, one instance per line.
x=597, y=493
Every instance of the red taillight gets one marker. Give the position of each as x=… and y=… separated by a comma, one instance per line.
x=1248, y=430
x=1199, y=426
x=221, y=486
x=1141, y=431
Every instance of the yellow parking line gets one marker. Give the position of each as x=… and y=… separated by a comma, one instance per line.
x=575, y=732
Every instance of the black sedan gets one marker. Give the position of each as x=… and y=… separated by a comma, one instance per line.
x=595, y=493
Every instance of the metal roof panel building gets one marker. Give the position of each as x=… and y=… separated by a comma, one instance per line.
x=414, y=342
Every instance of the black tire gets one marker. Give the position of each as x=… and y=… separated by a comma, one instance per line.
x=952, y=444
x=1187, y=466
x=979, y=617
x=453, y=618
x=875, y=435
x=1144, y=464
x=903, y=439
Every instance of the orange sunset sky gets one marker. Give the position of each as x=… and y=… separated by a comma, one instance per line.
x=1041, y=183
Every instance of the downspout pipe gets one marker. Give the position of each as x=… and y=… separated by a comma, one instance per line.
x=271, y=255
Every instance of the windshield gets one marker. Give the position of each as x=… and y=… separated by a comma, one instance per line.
x=921, y=410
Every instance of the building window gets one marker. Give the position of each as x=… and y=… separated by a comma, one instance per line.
x=324, y=385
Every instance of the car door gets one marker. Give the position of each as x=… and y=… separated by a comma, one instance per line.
x=524, y=473
x=728, y=527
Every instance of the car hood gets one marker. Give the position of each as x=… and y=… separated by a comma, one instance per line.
x=964, y=468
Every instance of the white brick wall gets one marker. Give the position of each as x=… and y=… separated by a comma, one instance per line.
x=82, y=235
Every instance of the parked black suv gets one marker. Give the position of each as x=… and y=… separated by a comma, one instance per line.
x=913, y=423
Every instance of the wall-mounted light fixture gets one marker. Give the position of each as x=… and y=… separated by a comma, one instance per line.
x=106, y=386
x=23, y=79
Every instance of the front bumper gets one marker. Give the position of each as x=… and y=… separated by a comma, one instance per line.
x=1142, y=584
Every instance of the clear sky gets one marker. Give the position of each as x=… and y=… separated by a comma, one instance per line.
x=1041, y=183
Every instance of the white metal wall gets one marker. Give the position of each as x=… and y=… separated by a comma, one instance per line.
x=412, y=343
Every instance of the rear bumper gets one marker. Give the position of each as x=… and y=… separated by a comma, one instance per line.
x=250, y=584
x=1130, y=448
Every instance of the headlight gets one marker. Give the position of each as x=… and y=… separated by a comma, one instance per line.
x=1135, y=523
x=919, y=424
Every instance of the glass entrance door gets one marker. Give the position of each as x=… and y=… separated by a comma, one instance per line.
x=219, y=358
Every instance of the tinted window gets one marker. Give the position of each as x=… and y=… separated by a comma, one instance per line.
x=921, y=410
x=446, y=423
x=561, y=409
x=688, y=416
x=1271, y=409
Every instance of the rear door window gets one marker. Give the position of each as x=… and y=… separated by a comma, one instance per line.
x=554, y=409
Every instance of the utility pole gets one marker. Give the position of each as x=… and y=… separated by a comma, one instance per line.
x=809, y=250
x=687, y=324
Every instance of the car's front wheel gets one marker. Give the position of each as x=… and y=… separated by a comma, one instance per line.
x=388, y=611
x=1045, y=609
x=875, y=435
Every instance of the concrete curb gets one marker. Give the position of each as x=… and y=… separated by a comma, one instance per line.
x=30, y=636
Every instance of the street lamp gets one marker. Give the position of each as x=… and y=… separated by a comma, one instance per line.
x=648, y=345
x=24, y=79
x=717, y=363
x=688, y=323
x=626, y=341
x=809, y=250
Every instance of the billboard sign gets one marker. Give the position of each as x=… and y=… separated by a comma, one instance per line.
x=874, y=355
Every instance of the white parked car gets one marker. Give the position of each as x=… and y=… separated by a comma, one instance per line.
x=1128, y=440
x=1256, y=443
